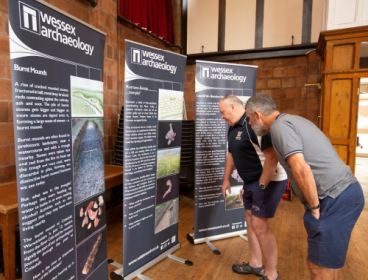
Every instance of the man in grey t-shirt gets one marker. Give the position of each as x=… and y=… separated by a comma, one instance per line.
x=325, y=185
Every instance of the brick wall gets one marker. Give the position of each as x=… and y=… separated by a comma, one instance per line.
x=282, y=78
x=104, y=17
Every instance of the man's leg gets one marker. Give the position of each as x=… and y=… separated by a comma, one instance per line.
x=254, y=247
x=267, y=241
x=322, y=273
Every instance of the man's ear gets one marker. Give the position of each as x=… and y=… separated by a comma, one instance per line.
x=257, y=115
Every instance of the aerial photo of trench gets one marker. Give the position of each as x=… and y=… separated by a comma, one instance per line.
x=235, y=199
x=166, y=215
x=168, y=162
x=87, y=97
x=88, y=158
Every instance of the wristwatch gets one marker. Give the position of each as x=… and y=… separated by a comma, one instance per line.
x=312, y=207
x=262, y=186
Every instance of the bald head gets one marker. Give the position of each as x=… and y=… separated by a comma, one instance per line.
x=231, y=109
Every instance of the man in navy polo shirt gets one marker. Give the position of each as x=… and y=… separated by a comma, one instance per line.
x=264, y=184
x=332, y=196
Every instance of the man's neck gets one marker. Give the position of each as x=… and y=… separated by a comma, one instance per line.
x=271, y=118
x=240, y=114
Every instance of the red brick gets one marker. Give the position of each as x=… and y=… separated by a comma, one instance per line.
x=299, y=70
x=313, y=68
x=113, y=8
x=260, y=62
x=293, y=112
x=2, y=68
x=303, y=113
x=312, y=92
x=286, y=104
x=265, y=72
x=105, y=5
x=109, y=20
x=274, y=62
x=190, y=105
x=279, y=94
x=5, y=92
x=313, y=57
x=7, y=133
x=4, y=155
x=288, y=82
x=188, y=87
x=114, y=127
x=109, y=112
x=114, y=97
x=190, y=77
x=313, y=79
x=293, y=93
x=311, y=115
x=6, y=25
x=4, y=112
x=4, y=6
x=7, y=174
x=288, y=61
x=61, y=4
x=4, y=45
x=74, y=10
x=261, y=84
x=94, y=18
x=304, y=92
x=12, y=154
x=2, y=23
x=106, y=97
x=107, y=157
x=111, y=142
x=247, y=62
x=10, y=108
x=300, y=81
x=301, y=60
x=299, y=104
x=189, y=96
x=105, y=143
x=274, y=83
x=191, y=115
x=109, y=51
x=109, y=82
x=279, y=72
x=107, y=127
x=115, y=83
x=8, y=68
x=312, y=104
x=268, y=92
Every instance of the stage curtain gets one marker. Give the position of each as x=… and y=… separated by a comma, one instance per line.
x=156, y=16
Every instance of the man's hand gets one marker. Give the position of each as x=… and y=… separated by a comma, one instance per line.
x=226, y=186
x=316, y=213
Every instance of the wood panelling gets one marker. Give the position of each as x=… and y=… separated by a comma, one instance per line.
x=340, y=108
x=343, y=152
x=343, y=57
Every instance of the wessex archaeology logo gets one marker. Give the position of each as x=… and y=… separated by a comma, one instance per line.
x=29, y=18
x=221, y=73
x=151, y=59
x=40, y=23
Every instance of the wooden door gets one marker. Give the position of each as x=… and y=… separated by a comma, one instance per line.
x=340, y=115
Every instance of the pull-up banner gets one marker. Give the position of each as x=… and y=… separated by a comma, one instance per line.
x=57, y=88
x=153, y=110
x=215, y=215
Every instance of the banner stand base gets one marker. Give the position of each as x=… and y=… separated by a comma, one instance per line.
x=207, y=240
x=118, y=274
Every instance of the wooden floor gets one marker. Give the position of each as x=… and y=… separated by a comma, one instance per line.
x=287, y=227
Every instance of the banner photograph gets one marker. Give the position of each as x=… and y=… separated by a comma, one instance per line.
x=153, y=113
x=57, y=84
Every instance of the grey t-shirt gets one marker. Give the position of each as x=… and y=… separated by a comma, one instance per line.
x=293, y=134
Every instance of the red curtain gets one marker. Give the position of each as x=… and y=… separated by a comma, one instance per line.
x=155, y=16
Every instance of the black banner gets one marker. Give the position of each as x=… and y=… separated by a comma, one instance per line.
x=215, y=215
x=57, y=70
x=153, y=110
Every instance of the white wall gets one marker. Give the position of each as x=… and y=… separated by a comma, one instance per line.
x=240, y=24
x=345, y=13
x=202, y=26
x=282, y=19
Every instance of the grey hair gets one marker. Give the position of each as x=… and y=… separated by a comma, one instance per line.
x=233, y=99
x=261, y=102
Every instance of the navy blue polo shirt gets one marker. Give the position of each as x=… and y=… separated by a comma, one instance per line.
x=246, y=148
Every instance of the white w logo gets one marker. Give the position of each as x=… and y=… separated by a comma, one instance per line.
x=28, y=18
x=136, y=56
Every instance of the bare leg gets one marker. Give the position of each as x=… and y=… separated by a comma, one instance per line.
x=267, y=241
x=322, y=273
x=254, y=247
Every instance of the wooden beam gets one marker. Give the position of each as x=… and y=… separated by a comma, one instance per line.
x=307, y=21
x=259, y=24
x=221, y=26
x=184, y=25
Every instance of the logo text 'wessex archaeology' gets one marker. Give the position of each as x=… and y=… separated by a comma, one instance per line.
x=31, y=18
x=221, y=73
x=148, y=58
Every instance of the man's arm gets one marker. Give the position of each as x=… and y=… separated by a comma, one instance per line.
x=303, y=177
x=229, y=167
x=269, y=166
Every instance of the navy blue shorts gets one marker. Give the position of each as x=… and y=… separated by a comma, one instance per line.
x=263, y=202
x=328, y=237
